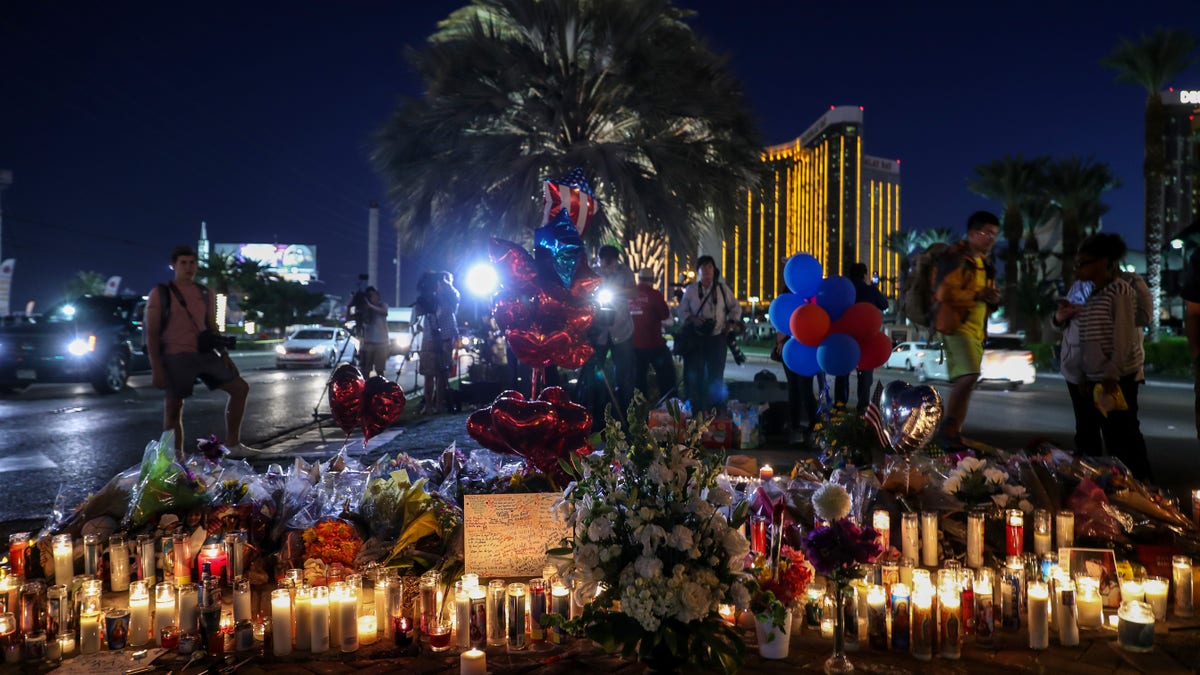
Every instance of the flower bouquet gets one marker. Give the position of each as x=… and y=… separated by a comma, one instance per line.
x=658, y=536
x=978, y=482
x=836, y=550
x=844, y=437
x=332, y=541
x=779, y=583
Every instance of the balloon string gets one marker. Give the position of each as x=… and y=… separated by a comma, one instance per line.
x=536, y=381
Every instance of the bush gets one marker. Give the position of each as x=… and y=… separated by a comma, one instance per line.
x=1169, y=356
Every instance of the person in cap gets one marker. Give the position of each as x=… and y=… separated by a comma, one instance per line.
x=649, y=311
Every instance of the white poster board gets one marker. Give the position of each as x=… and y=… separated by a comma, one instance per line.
x=508, y=535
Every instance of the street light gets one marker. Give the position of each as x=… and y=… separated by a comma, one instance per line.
x=753, y=304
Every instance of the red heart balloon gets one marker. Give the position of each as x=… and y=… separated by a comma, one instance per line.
x=510, y=393
x=575, y=353
x=585, y=283
x=574, y=420
x=512, y=310
x=524, y=425
x=383, y=403
x=479, y=426
x=537, y=349
x=555, y=395
x=345, y=396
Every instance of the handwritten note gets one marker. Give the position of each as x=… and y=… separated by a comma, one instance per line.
x=508, y=535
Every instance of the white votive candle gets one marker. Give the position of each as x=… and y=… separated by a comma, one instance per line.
x=1181, y=578
x=1039, y=615
x=368, y=628
x=64, y=559
x=473, y=662
x=303, y=609
x=139, y=613
x=881, y=520
x=1066, y=613
x=89, y=632
x=1131, y=590
x=1155, y=589
x=319, y=627
x=1087, y=600
x=281, y=621
x=164, y=609
x=929, y=538
x=345, y=610
x=1064, y=529
x=910, y=536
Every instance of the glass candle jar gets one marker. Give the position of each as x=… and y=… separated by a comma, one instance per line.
x=1135, y=626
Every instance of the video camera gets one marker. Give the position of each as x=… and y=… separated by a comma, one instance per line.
x=736, y=329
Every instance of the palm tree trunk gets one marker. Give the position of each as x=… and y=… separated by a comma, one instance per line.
x=1153, y=170
x=1014, y=227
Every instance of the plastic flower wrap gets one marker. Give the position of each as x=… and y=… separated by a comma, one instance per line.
x=164, y=484
x=390, y=502
x=653, y=526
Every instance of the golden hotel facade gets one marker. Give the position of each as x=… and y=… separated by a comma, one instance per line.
x=824, y=196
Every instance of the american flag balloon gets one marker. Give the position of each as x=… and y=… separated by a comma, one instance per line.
x=573, y=192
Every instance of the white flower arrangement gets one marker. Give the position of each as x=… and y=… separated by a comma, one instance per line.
x=831, y=502
x=975, y=481
x=653, y=528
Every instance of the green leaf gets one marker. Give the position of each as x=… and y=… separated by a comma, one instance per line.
x=566, y=550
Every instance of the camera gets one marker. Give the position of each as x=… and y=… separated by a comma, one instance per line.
x=731, y=340
x=211, y=341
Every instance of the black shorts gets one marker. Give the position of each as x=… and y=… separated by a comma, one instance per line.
x=183, y=369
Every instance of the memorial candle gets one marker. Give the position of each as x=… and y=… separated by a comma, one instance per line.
x=89, y=632
x=235, y=554
x=929, y=538
x=881, y=520
x=118, y=564
x=900, y=617
x=241, y=600
x=877, y=618
x=495, y=612
x=186, y=601
x=8, y=638
x=17, y=544
x=181, y=559
x=1012, y=593
x=478, y=628
x=302, y=605
x=33, y=610
x=985, y=614
x=514, y=614
x=1155, y=589
x=345, y=615
x=1181, y=577
x=1041, y=532
x=319, y=620
x=1088, y=603
x=164, y=608
x=473, y=662
x=537, y=607
x=922, y=623
x=950, y=623
x=910, y=536
x=145, y=558
x=1065, y=612
x=1039, y=615
x=975, y=522
x=218, y=560
x=1131, y=589
x=462, y=615
x=281, y=622
x=966, y=590
x=383, y=607
x=139, y=613
x=1135, y=626
x=1015, y=532
x=758, y=535
x=64, y=558
x=368, y=629
x=1064, y=529
x=428, y=595
x=766, y=472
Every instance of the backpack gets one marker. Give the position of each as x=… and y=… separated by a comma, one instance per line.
x=918, y=287
x=166, y=297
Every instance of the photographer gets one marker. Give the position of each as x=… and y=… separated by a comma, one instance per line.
x=710, y=313
x=183, y=345
x=611, y=331
x=371, y=319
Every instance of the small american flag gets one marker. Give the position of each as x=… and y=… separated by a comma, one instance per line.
x=578, y=195
x=873, y=417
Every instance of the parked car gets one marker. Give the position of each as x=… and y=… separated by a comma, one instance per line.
x=907, y=355
x=1006, y=362
x=317, y=346
x=400, y=336
x=94, y=338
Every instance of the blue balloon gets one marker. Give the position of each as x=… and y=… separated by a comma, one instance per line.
x=780, y=311
x=800, y=358
x=838, y=354
x=803, y=273
x=557, y=248
x=835, y=295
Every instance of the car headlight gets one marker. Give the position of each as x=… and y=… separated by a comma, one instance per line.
x=80, y=346
x=280, y=349
x=404, y=340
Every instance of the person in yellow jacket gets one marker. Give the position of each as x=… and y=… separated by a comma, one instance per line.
x=965, y=293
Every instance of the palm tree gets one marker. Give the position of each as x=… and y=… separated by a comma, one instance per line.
x=84, y=283
x=939, y=235
x=518, y=91
x=1010, y=181
x=1075, y=186
x=1151, y=62
x=903, y=243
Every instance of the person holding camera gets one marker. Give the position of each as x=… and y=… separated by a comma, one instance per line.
x=183, y=345
x=371, y=316
x=710, y=314
x=611, y=332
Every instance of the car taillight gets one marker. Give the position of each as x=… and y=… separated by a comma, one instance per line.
x=920, y=355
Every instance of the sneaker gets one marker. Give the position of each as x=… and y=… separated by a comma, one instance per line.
x=242, y=451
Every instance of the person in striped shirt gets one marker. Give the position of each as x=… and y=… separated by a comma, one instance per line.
x=1110, y=345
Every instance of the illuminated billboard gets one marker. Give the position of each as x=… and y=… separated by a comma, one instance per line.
x=293, y=262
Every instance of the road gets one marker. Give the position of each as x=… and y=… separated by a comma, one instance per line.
x=64, y=435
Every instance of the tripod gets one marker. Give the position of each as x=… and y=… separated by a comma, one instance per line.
x=354, y=304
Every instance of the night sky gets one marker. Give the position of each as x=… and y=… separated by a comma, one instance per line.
x=126, y=124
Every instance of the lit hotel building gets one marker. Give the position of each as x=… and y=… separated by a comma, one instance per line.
x=1181, y=188
x=821, y=195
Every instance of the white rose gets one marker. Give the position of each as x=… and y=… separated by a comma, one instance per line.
x=952, y=484
x=601, y=528
x=995, y=476
x=680, y=538
x=696, y=602
x=740, y=596
x=587, y=555
x=648, y=566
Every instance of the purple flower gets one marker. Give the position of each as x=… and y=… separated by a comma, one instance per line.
x=836, y=549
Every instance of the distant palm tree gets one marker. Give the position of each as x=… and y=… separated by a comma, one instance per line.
x=84, y=283
x=1075, y=186
x=1011, y=181
x=939, y=235
x=1036, y=213
x=1151, y=62
x=518, y=91
x=903, y=243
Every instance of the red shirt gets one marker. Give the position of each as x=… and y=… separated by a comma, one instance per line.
x=649, y=310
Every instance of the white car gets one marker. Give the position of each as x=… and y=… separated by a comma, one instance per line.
x=908, y=355
x=400, y=335
x=1006, y=362
x=318, y=346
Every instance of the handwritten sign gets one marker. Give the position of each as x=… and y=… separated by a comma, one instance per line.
x=508, y=535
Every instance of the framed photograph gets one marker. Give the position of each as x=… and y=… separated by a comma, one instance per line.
x=1097, y=563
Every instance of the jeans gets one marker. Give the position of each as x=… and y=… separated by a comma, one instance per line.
x=802, y=402
x=704, y=373
x=660, y=359
x=1122, y=431
x=595, y=393
x=841, y=389
x=1087, y=421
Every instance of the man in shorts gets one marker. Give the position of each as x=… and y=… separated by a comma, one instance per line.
x=176, y=360
x=965, y=293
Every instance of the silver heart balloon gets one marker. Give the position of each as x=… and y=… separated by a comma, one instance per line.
x=910, y=415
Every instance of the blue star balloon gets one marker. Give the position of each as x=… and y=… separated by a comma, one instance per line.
x=557, y=248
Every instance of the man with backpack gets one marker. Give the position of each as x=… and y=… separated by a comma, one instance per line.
x=964, y=294
x=179, y=321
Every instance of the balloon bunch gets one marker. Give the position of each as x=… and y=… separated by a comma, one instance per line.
x=545, y=304
x=830, y=332
x=373, y=404
x=542, y=431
